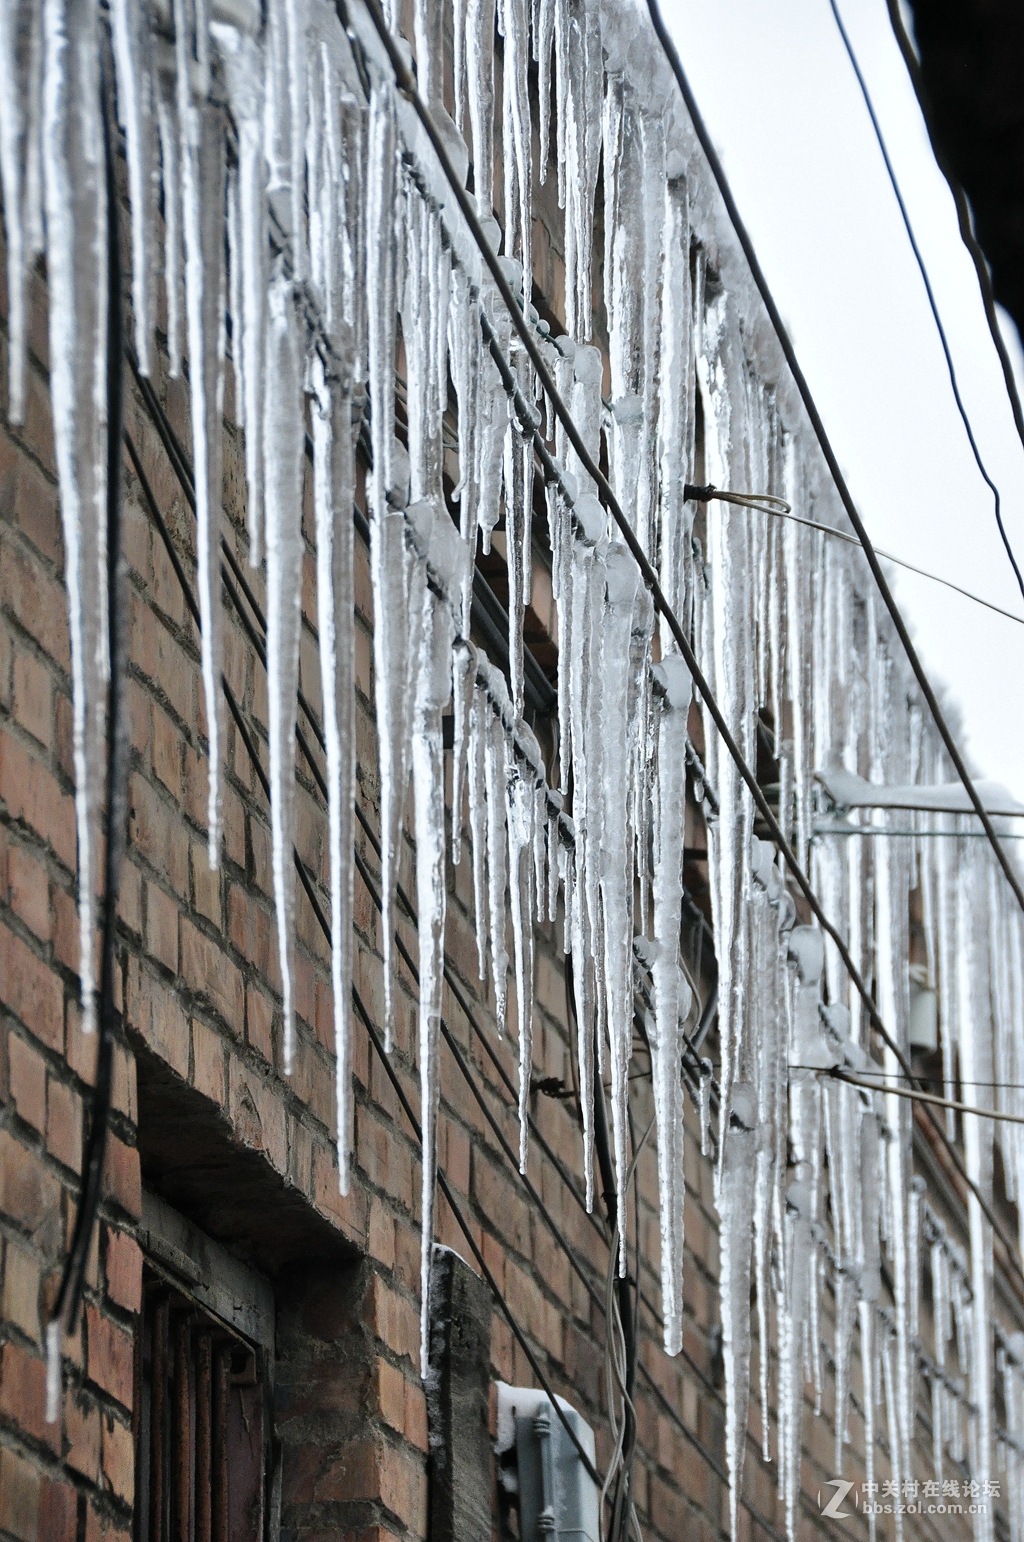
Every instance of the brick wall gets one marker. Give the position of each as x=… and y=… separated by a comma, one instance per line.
x=204, y=1115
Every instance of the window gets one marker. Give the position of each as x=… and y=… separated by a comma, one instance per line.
x=202, y=1400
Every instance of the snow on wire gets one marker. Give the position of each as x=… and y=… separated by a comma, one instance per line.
x=303, y=208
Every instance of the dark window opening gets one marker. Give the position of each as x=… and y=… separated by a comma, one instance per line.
x=201, y=1430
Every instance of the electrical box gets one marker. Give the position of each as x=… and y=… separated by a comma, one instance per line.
x=558, y=1499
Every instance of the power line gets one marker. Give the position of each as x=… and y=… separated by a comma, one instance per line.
x=924, y=1097
x=880, y=137
x=407, y=86
x=851, y=540
x=717, y=170
x=964, y=216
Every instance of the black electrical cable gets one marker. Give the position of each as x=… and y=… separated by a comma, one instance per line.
x=835, y=470
x=880, y=137
x=963, y=213
x=69, y=1295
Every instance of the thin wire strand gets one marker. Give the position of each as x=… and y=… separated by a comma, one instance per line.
x=851, y=540
x=916, y=1096
x=963, y=214
x=835, y=470
x=880, y=137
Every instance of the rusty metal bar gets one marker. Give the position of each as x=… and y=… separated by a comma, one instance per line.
x=157, y=1421
x=221, y=1392
x=182, y=1431
x=204, y=1453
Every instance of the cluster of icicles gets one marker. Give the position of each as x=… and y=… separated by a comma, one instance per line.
x=311, y=220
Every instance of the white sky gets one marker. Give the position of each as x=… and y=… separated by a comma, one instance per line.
x=780, y=99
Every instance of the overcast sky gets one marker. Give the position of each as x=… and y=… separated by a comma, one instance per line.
x=783, y=106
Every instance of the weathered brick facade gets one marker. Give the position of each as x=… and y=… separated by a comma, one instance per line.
x=204, y=1116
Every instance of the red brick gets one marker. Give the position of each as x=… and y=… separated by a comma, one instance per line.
x=212, y=976
x=389, y=1394
x=162, y=927
x=109, y=1362
x=123, y=1269
x=23, y=1393
x=158, y=833
x=31, y=990
x=258, y=1115
x=208, y=1071
x=65, y=929
x=38, y=601
x=403, y=1488
x=37, y=510
x=381, y=1233
x=259, y=1021
x=82, y=1425
x=119, y=1458
x=32, y=794
x=205, y=886
x=156, y=1013
x=58, y=1511
x=393, y=1320
x=166, y=752
x=28, y=1193
x=30, y=891
x=64, y=1125
x=416, y=1416
x=33, y=697
x=19, y=1298
x=28, y=1082
x=19, y=1496
x=122, y=1179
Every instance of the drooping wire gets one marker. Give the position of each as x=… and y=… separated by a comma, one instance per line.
x=69, y=1295
x=915, y=248
x=931, y=1098
x=851, y=540
x=963, y=213
x=836, y=472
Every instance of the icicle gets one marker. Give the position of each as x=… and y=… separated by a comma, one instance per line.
x=477, y=785
x=463, y=679
x=132, y=46
x=543, y=39
x=613, y=858
x=671, y=995
x=202, y=180
x=54, y=1348
x=334, y=487
x=579, y=75
x=707, y=1072
x=244, y=74
x=20, y=86
x=170, y=181
x=480, y=80
x=432, y=691
x=76, y=223
x=520, y=869
x=517, y=150
x=283, y=446
x=494, y=775
x=518, y=507
x=388, y=490
x=285, y=123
